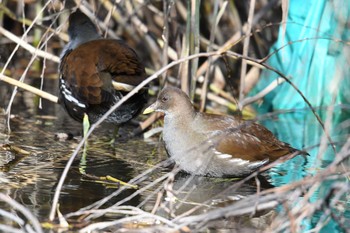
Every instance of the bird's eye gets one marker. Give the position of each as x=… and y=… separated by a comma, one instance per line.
x=165, y=99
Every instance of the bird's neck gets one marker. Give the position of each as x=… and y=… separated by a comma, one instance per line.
x=180, y=118
x=80, y=38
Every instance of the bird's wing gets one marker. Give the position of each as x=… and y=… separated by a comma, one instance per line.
x=93, y=84
x=242, y=139
x=252, y=142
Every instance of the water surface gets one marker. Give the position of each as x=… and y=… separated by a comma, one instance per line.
x=31, y=179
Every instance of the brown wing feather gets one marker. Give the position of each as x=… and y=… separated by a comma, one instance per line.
x=113, y=60
x=121, y=62
x=253, y=142
x=243, y=139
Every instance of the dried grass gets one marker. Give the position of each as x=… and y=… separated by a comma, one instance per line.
x=180, y=41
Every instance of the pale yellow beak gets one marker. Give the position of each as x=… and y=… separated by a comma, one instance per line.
x=150, y=109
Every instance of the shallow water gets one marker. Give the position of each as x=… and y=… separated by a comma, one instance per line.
x=31, y=178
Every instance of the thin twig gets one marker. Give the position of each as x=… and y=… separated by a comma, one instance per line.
x=93, y=127
x=295, y=88
x=28, y=47
x=262, y=93
x=215, y=22
x=245, y=52
x=26, y=213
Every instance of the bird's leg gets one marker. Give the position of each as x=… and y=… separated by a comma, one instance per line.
x=115, y=135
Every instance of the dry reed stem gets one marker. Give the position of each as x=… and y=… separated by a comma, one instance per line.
x=93, y=127
x=245, y=52
x=29, y=88
x=215, y=22
x=29, y=47
x=262, y=200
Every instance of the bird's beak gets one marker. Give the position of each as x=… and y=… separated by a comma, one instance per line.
x=151, y=108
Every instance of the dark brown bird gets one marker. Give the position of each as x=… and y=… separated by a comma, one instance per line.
x=88, y=66
x=214, y=145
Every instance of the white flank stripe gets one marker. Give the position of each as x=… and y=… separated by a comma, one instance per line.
x=239, y=161
x=68, y=95
x=224, y=156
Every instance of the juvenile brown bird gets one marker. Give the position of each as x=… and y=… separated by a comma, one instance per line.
x=214, y=145
x=88, y=66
